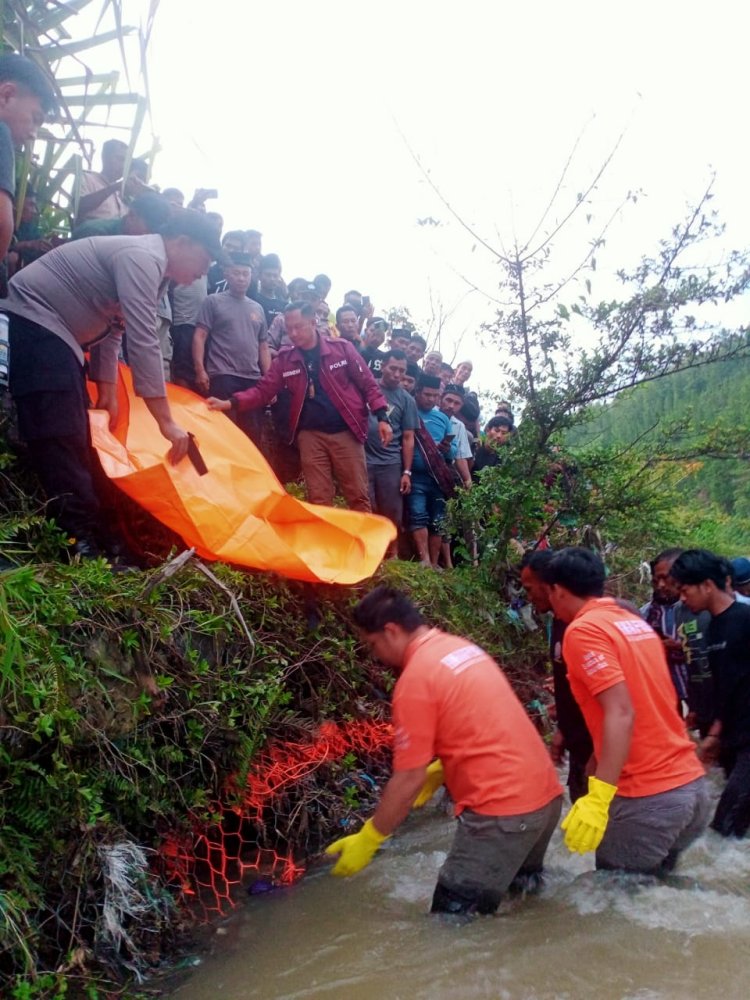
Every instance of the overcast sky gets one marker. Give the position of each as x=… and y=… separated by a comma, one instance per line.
x=301, y=115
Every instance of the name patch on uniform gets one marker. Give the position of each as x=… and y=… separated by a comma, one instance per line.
x=338, y=364
x=635, y=630
x=294, y=371
x=460, y=659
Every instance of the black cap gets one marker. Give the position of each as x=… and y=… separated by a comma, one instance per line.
x=429, y=381
x=455, y=390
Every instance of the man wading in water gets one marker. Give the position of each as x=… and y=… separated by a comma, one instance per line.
x=453, y=702
x=647, y=797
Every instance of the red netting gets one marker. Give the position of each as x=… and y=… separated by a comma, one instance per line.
x=260, y=836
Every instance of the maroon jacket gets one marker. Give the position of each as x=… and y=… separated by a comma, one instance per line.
x=343, y=375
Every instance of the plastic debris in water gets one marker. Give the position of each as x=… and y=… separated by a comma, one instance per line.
x=261, y=886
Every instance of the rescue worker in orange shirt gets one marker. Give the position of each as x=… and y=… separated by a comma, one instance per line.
x=647, y=797
x=453, y=702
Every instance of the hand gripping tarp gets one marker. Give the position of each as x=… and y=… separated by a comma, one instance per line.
x=238, y=511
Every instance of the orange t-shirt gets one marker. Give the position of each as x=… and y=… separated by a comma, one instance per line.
x=454, y=702
x=605, y=645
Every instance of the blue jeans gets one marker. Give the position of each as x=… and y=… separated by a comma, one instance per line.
x=426, y=504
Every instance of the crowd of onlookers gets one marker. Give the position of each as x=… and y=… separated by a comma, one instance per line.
x=358, y=405
x=354, y=404
x=332, y=393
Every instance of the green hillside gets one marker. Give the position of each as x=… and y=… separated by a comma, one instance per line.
x=716, y=395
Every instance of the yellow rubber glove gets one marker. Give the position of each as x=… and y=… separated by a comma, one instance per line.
x=357, y=850
x=433, y=781
x=587, y=820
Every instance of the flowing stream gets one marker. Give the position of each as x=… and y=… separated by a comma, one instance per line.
x=587, y=935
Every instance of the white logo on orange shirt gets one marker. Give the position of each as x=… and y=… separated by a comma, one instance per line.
x=593, y=662
x=401, y=740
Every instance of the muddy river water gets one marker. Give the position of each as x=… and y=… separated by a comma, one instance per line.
x=587, y=935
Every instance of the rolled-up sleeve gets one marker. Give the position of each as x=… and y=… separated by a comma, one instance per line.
x=138, y=276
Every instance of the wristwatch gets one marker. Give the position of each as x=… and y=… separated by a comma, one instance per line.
x=406, y=472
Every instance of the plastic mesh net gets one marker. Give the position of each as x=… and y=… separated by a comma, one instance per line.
x=275, y=817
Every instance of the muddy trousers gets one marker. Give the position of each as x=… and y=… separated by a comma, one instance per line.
x=494, y=855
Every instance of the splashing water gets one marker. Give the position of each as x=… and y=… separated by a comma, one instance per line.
x=587, y=935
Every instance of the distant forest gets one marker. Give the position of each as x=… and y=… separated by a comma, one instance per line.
x=717, y=393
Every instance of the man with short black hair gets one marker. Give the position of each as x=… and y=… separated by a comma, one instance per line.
x=174, y=196
x=498, y=433
x=231, y=242
x=364, y=309
x=400, y=339
x=446, y=374
x=323, y=284
x=271, y=293
x=389, y=467
x=26, y=96
x=77, y=298
x=660, y=613
x=347, y=324
x=702, y=579
x=453, y=702
x=372, y=338
x=230, y=344
x=416, y=348
x=100, y=196
x=411, y=377
x=571, y=735
x=254, y=248
x=427, y=499
x=330, y=391
x=431, y=363
x=648, y=798
x=451, y=402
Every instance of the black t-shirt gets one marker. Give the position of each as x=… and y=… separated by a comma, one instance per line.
x=470, y=409
x=272, y=307
x=486, y=457
x=374, y=359
x=215, y=280
x=728, y=646
x=570, y=720
x=318, y=412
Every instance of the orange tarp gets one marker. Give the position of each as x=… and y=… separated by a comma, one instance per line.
x=238, y=511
